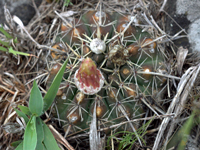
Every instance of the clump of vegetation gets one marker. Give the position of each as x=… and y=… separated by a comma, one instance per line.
x=37, y=135
x=107, y=74
x=7, y=43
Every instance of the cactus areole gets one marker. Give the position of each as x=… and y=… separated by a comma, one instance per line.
x=88, y=78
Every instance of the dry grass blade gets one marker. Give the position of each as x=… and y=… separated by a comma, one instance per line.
x=183, y=99
x=163, y=6
x=181, y=88
x=181, y=55
x=60, y=138
x=94, y=136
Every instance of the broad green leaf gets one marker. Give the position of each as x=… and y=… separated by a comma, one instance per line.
x=51, y=93
x=40, y=134
x=36, y=101
x=6, y=44
x=49, y=140
x=3, y=49
x=20, y=146
x=40, y=146
x=10, y=50
x=24, y=109
x=30, y=135
x=21, y=114
x=5, y=33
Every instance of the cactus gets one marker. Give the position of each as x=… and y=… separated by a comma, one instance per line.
x=112, y=62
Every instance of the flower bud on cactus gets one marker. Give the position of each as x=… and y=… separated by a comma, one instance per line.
x=88, y=78
x=97, y=46
x=118, y=54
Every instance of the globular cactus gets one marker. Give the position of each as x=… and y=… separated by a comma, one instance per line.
x=112, y=62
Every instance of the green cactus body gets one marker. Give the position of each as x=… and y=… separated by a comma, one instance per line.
x=111, y=63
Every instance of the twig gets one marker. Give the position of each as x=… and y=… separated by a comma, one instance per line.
x=7, y=89
x=60, y=138
x=163, y=6
x=36, y=9
x=19, y=22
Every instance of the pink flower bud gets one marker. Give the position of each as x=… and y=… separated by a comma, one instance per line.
x=88, y=78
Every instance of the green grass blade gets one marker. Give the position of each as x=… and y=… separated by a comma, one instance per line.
x=10, y=50
x=49, y=140
x=24, y=109
x=5, y=33
x=181, y=136
x=36, y=101
x=30, y=135
x=185, y=132
x=21, y=114
x=51, y=93
x=6, y=44
x=3, y=49
x=40, y=134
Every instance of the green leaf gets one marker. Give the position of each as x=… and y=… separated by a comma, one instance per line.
x=181, y=136
x=3, y=49
x=51, y=93
x=30, y=135
x=49, y=140
x=16, y=143
x=5, y=33
x=20, y=146
x=36, y=101
x=40, y=134
x=10, y=50
x=24, y=109
x=15, y=40
x=67, y=3
x=6, y=44
x=21, y=114
x=185, y=131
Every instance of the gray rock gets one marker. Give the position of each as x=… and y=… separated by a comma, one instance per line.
x=192, y=10
x=175, y=23
x=22, y=8
x=185, y=13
